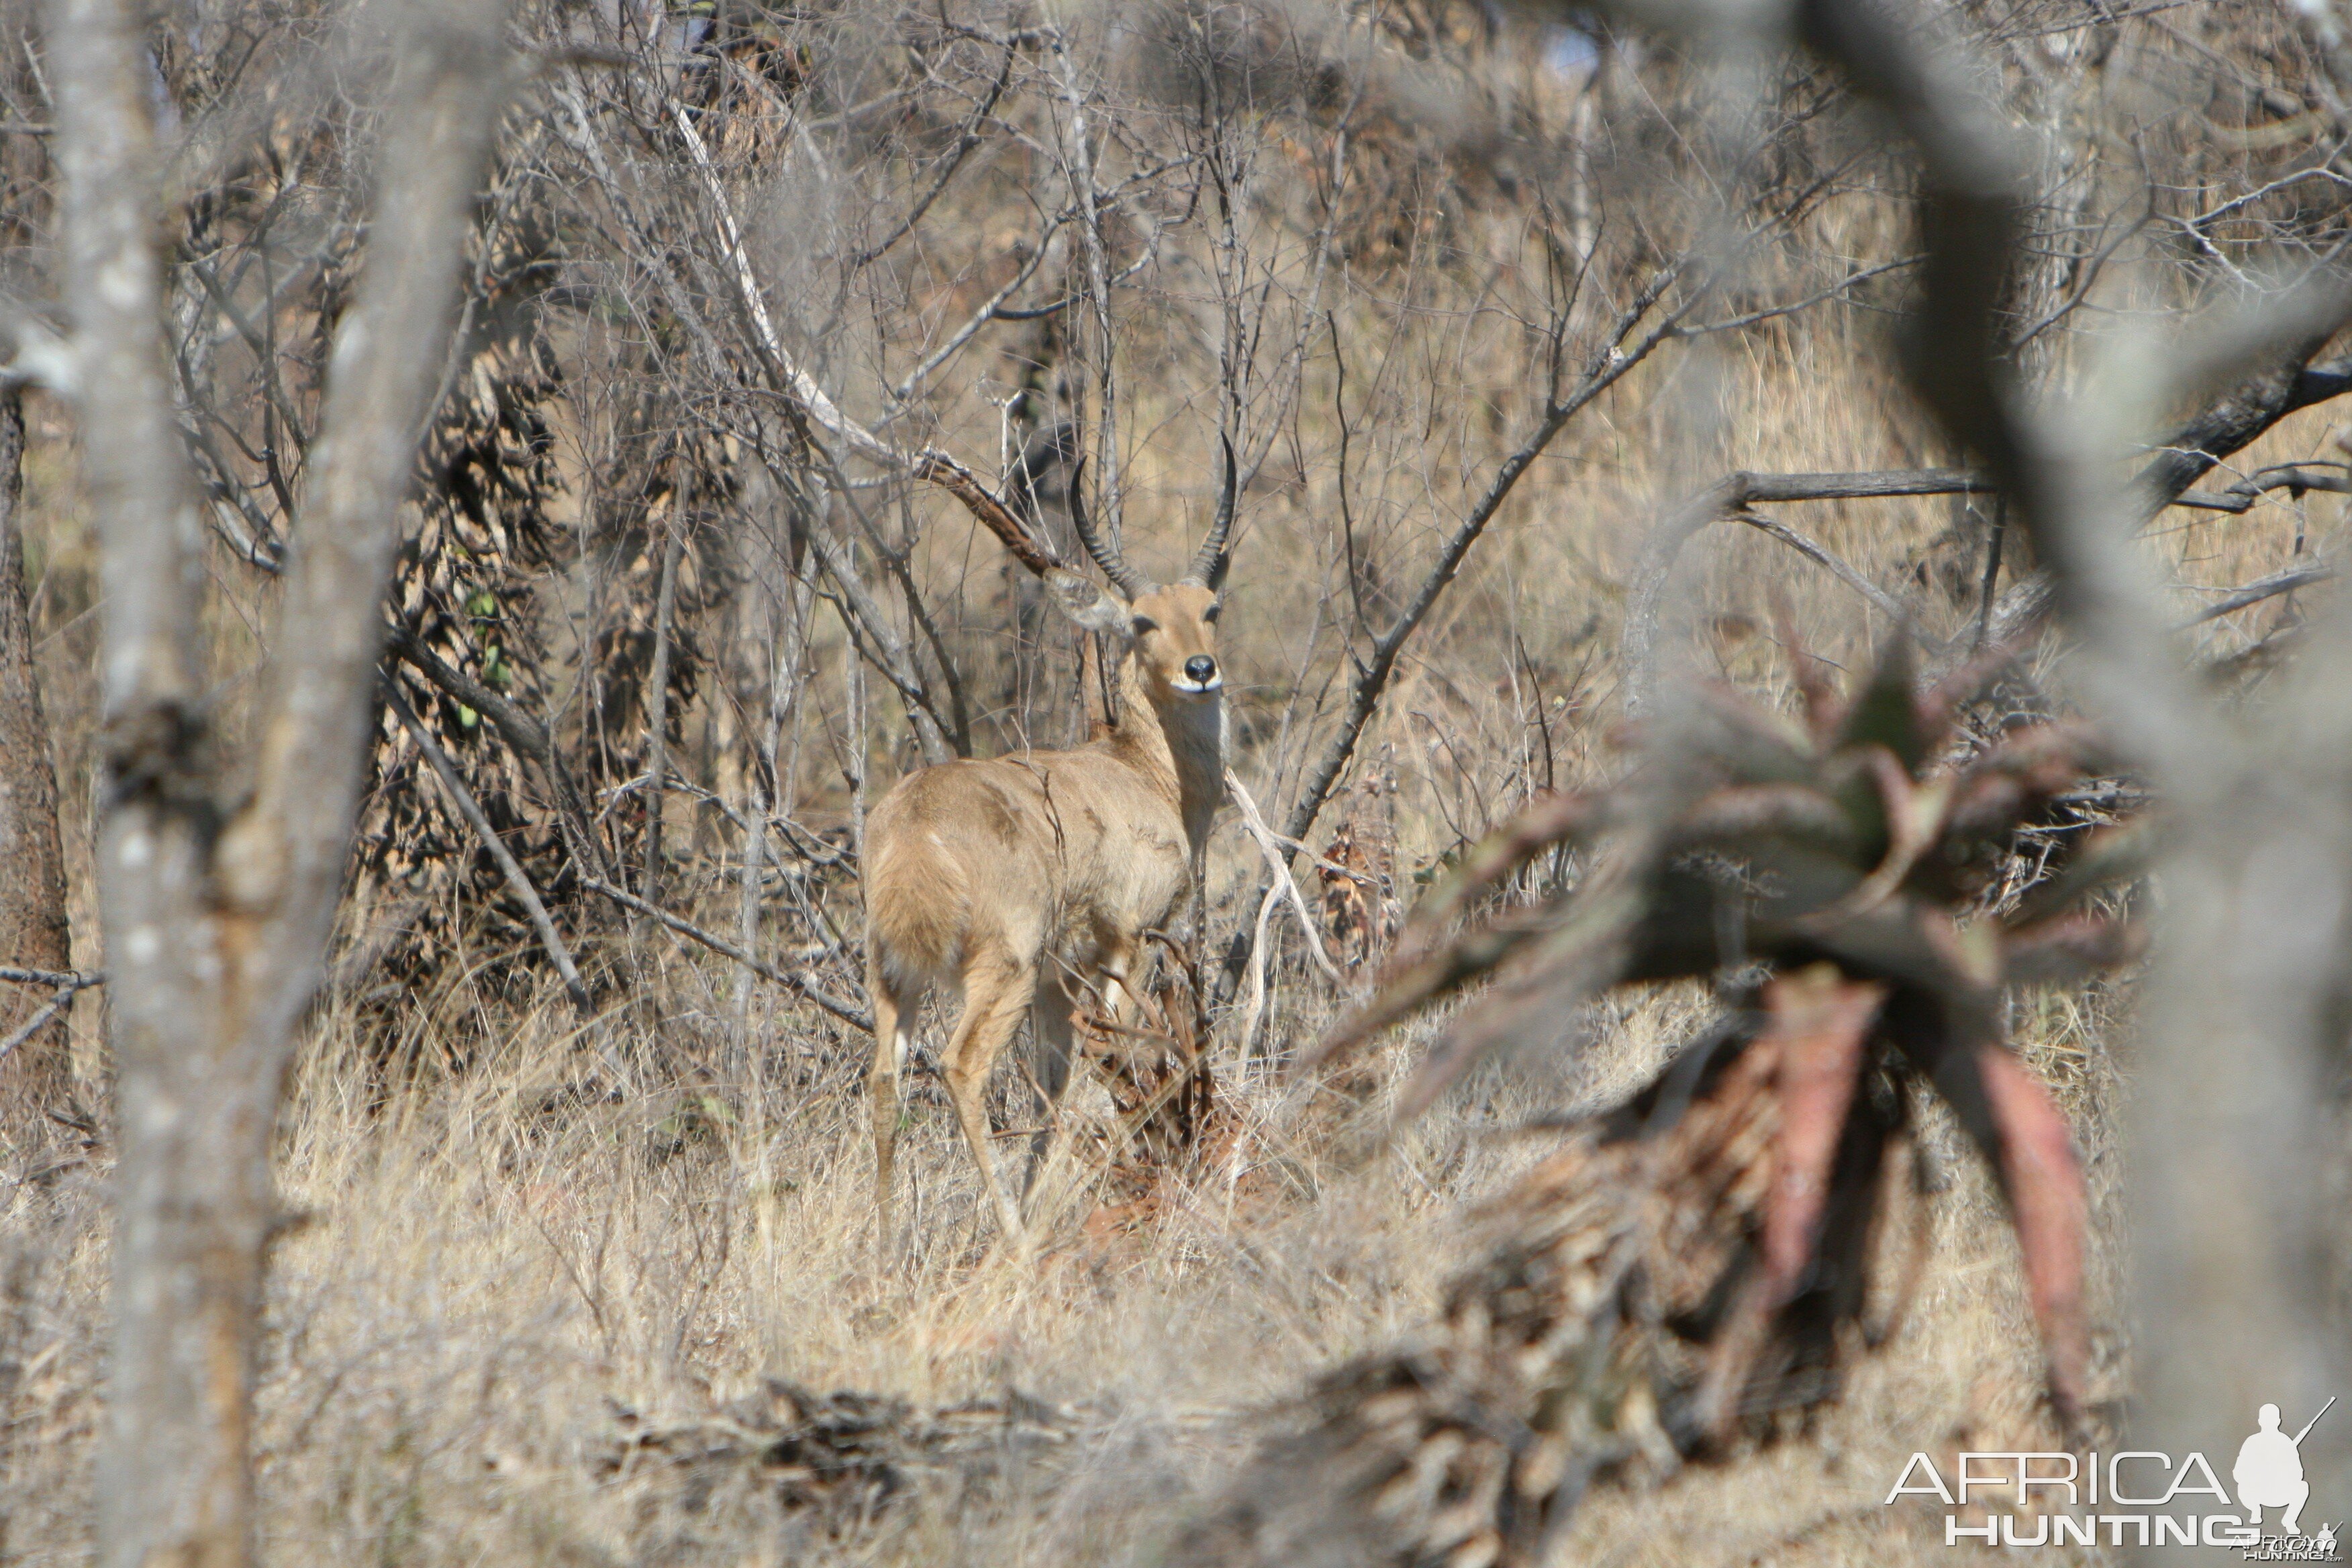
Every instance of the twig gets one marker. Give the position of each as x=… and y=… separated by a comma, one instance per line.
x=801, y=386
x=1277, y=866
x=1078, y=163
x=1256, y=987
x=991, y=309
x=1728, y=497
x=1883, y=602
x=657, y=703
x=889, y=655
x=2232, y=422
x=517, y=883
x=1991, y=573
x=1608, y=365
x=2254, y=593
x=66, y=985
x=51, y=977
x=518, y=729
x=846, y=1012
x=953, y=161
x=2242, y=496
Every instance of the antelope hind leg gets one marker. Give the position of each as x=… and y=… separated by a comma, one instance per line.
x=993, y=1000
x=894, y=1024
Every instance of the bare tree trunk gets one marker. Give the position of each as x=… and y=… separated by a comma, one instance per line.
x=218, y=882
x=33, y=930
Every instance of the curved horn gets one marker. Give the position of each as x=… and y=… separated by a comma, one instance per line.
x=1131, y=582
x=1209, y=565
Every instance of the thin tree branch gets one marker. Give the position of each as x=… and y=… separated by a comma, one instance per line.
x=970, y=139
x=847, y=1012
x=2263, y=588
x=1607, y=366
x=657, y=703
x=1277, y=867
x=2232, y=421
x=518, y=883
x=526, y=734
x=56, y=1004
x=1885, y=603
x=1728, y=497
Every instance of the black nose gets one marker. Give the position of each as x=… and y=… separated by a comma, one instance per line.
x=1200, y=669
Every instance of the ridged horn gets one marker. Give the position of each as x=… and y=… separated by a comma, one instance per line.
x=1130, y=582
x=1209, y=565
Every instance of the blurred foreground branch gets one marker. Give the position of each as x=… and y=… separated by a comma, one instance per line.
x=218, y=881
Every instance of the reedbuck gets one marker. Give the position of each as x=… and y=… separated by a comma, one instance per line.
x=1025, y=881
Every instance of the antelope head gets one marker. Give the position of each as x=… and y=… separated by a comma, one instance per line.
x=1172, y=630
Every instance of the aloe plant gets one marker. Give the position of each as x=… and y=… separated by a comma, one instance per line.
x=1701, y=1258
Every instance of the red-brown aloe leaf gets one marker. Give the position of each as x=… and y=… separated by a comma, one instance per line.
x=1886, y=711
x=1726, y=732
x=1737, y=812
x=1819, y=1020
x=2048, y=1204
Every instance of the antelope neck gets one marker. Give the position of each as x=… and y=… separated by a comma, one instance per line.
x=1181, y=743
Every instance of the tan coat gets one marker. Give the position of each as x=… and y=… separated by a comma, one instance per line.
x=1022, y=882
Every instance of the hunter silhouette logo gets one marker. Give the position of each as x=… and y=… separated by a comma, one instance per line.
x=2269, y=1471
x=2134, y=1497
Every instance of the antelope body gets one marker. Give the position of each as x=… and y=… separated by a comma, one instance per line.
x=1023, y=882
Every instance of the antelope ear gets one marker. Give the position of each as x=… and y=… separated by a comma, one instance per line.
x=1083, y=604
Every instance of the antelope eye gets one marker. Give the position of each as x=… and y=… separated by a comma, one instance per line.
x=1213, y=612
x=1143, y=624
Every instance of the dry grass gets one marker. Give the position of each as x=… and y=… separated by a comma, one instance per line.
x=509, y=1327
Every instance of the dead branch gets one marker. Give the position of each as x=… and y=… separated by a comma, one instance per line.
x=1606, y=368
x=1726, y=498
x=64, y=986
x=657, y=703
x=1279, y=868
x=848, y=1013
x=518, y=883
x=526, y=734
x=2232, y=421
x=1885, y=603
x=2254, y=593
